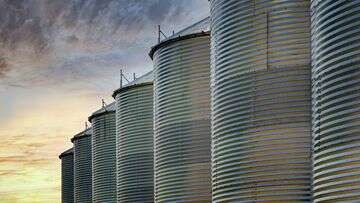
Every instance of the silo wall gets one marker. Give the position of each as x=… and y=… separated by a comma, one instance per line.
x=336, y=96
x=67, y=176
x=135, y=140
x=182, y=119
x=104, y=155
x=82, y=167
x=261, y=101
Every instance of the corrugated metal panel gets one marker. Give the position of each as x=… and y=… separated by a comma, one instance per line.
x=135, y=140
x=82, y=167
x=67, y=176
x=336, y=100
x=104, y=156
x=261, y=101
x=182, y=120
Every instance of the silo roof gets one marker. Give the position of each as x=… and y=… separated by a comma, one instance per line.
x=85, y=133
x=145, y=79
x=198, y=29
x=201, y=26
x=108, y=108
x=67, y=153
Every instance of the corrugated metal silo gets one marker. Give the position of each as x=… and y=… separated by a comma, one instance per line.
x=182, y=116
x=261, y=100
x=104, y=154
x=82, y=167
x=336, y=100
x=135, y=140
x=67, y=176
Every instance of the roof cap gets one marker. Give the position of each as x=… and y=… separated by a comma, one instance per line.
x=108, y=108
x=198, y=29
x=67, y=153
x=82, y=134
x=145, y=79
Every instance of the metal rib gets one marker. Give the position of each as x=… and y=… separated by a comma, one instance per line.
x=104, y=157
x=135, y=161
x=82, y=170
x=182, y=125
x=67, y=176
x=261, y=101
x=336, y=100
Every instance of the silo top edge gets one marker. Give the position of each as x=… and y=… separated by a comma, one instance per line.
x=146, y=79
x=199, y=29
x=83, y=134
x=108, y=108
x=67, y=153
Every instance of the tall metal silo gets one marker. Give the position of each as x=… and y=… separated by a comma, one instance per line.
x=261, y=101
x=104, y=154
x=336, y=100
x=67, y=176
x=182, y=116
x=135, y=140
x=82, y=167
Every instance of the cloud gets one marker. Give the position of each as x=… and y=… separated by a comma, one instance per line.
x=20, y=24
x=10, y=172
x=38, y=23
x=44, y=42
x=72, y=39
x=3, y=66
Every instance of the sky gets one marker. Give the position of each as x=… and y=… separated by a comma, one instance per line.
x=58, y=59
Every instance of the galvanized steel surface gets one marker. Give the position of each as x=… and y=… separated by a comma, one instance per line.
x=104, y=157
x=135, y=154
x=67, y=176
x=261, y=101
x=82, y=167
x=182, y=121
x=336, y=100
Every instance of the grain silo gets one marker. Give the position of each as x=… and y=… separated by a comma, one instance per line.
x=104, y=154
x=67, y=176
x=82, y=166
x=182, y=116
x=261, y=100
x=336, y=100
x=135, y=140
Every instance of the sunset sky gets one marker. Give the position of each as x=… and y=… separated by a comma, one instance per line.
x=57, y=60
